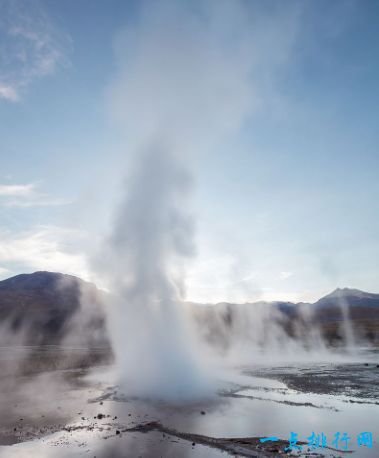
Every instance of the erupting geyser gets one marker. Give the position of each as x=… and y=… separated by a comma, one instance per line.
x=185, y=82
x=152, y=233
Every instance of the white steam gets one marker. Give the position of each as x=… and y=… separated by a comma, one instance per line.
x=185, y=82
x=151, y=235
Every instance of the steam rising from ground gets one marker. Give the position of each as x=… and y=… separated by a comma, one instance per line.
x=261, y=333
x=188, y=77
x=152, y=234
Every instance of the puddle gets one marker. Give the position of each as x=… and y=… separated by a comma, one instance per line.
x=82, y=417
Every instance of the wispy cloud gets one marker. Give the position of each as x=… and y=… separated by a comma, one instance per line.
x=38, y=201
x=31, y=46
x=284, y=275
x=3, y=272
x=27, y=195
x=8, y=93
x=17, y=189
x=43, y=248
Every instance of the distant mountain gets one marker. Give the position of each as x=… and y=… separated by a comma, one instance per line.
x=42, y=307
x=358, y=305
x=53, y=308
x=296, y=319
x=348, y=296
x=351, y=298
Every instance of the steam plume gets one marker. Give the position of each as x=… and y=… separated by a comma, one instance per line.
x=185, y=82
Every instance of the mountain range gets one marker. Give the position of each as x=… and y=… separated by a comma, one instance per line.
x=48, y=307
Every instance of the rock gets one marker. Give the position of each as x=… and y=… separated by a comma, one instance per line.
x=100, y=416
x=202, y=412
x=193, y=444
x=117, y=431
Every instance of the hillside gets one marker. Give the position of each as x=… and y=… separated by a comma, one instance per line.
x=53, y=308
x=42, y=308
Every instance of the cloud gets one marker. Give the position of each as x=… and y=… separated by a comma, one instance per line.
x=8, y=93
x=31, y=47
x=284, y=275
x=44, y=248
x=3, y=272
x=16, y=189
x=38, y=201
x=27, y=195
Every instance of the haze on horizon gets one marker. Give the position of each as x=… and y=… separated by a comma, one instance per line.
x=284, y=158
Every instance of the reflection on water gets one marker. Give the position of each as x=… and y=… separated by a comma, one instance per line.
x=251, y=402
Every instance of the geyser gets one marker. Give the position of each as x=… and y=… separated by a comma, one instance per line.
x=185, y=82
x=151, y=235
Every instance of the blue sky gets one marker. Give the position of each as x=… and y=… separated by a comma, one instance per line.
x=285, y=192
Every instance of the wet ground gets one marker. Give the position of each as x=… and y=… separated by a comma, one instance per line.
x=66, y=413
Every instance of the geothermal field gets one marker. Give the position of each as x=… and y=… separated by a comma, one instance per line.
x=77, y=412
x=247, y=378
x=189, y=228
